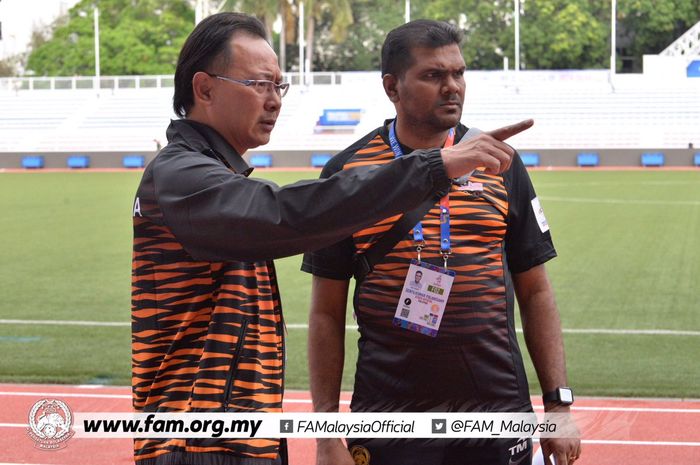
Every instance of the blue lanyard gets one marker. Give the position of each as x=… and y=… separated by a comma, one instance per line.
x=418, y=238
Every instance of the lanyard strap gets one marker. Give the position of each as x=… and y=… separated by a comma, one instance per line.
x=445, y=246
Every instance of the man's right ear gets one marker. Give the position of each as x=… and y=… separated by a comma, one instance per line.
x=389, y=82
x=202, y=87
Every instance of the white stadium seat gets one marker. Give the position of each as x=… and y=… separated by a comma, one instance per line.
x=572, y=109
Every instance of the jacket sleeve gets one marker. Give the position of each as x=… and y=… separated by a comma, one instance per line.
x=218, y=215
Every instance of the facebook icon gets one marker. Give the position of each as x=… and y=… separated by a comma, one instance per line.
x=286, y=426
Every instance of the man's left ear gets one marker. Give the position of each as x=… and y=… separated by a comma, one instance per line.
x=202, y=87
x=389, y=82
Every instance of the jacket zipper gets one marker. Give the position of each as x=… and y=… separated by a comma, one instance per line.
x=234, y=365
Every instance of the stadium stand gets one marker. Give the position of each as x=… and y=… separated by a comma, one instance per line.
x=652, y=159
x=587, y=159
x=33, y=162
x=572, y=110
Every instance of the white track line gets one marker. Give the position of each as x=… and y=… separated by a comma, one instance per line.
x=18, y=463
x=649, y=332
x=344, y=402
x=640, y=443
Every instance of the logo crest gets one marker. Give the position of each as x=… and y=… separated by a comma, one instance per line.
x=50, y=422
x=360, y=455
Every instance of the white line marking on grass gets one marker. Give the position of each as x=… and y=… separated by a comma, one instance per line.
x=64, y=394
x=693, y=203
x=65, y=323
x=617, y=184
x=643, y=332
x=637, y=332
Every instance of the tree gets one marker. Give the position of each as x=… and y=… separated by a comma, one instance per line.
x=361, y=49
x=9, y=66
x=563, y=34
x=267, y=11
x=338, y=15
x=649, y=26
x=554, y=34
x=136, y=37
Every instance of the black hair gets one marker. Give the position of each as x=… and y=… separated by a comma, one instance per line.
x=396, y=51
x=209, y=44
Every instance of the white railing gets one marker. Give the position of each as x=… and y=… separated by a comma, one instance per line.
x=85, y=82
x=16, y=84
x=686, y=45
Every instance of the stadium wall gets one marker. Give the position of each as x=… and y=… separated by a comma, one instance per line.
x=301, y=159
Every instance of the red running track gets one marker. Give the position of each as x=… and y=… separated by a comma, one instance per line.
x=614, y=431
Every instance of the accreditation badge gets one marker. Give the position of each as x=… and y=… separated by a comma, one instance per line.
x=424, y=298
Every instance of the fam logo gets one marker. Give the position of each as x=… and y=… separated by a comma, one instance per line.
x=360, y=455
x=50, y=422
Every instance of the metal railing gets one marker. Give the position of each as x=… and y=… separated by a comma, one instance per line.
x=85, y=82
x=16, y=84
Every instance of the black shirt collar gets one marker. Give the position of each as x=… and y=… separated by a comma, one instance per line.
x=205, y=139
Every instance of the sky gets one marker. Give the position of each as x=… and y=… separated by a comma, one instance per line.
x=19, y=17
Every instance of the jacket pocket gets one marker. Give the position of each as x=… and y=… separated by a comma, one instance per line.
x=233, y=370
x=208, y=393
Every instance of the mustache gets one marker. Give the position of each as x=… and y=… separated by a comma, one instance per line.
x=455, y=101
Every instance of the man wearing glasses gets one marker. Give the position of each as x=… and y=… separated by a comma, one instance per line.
x=207, y=329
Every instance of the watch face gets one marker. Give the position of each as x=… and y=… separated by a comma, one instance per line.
x=566, y=395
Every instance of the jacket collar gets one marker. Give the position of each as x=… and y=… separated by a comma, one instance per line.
x=205, y=139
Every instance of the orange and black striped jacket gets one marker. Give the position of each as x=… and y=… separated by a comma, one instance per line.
x=207, y=328
x=474, y=361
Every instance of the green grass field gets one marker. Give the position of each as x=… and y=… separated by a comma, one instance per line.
x=629, y=259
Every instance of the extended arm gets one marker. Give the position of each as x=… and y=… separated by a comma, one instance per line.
x=543, y=336
x=326, y=358
x=218, y=215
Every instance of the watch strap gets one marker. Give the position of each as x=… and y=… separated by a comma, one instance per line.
x=555, y=396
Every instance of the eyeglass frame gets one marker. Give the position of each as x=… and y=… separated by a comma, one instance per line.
x=280, y=89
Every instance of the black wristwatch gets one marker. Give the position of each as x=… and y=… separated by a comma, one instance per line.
x=561, y=396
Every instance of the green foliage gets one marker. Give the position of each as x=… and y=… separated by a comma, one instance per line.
x=649, y=26
x=347, y=35
x=136, y=37
x=563, y=34
x=8, y=66
x=364, y=35
x=488, y=28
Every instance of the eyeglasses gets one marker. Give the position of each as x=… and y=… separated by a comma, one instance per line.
x=261, y=86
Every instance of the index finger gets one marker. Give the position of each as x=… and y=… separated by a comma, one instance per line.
x=508, y=131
